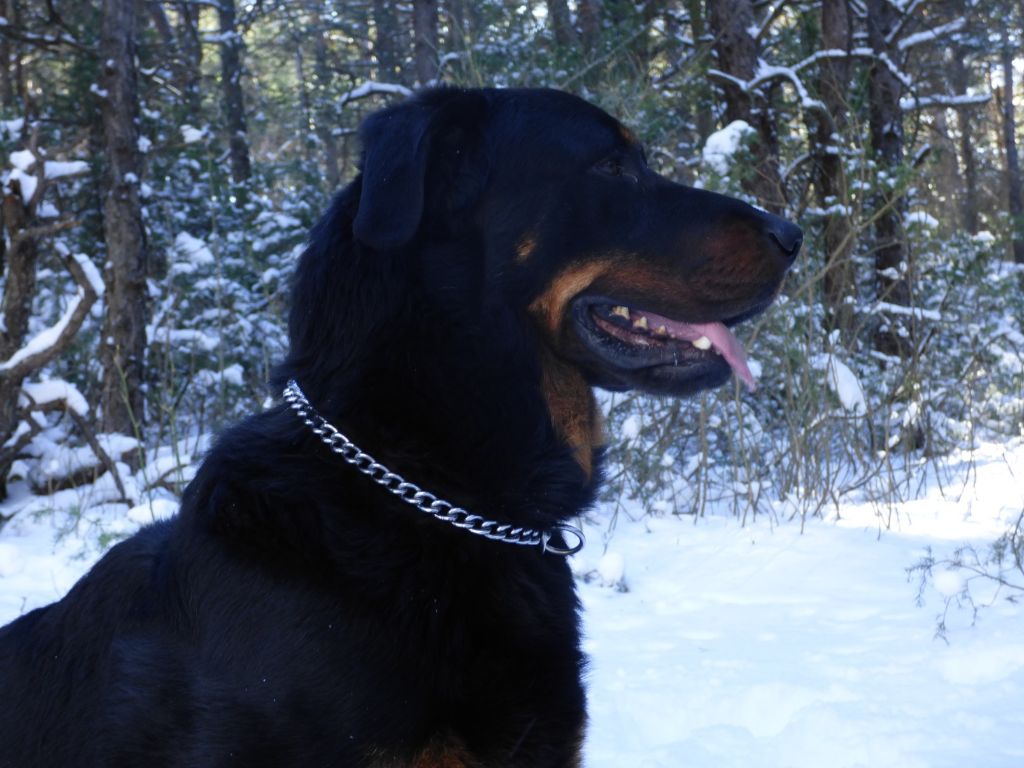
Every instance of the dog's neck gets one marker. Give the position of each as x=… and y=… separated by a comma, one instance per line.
x=451, y=395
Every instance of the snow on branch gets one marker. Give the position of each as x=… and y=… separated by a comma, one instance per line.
x=944, y=100
x=370, y=88
x=906, y=10
x=931, y=34
x=46, y=345
x=899, y=309
x=861, y=52
x=53, y=391
x=767, y=72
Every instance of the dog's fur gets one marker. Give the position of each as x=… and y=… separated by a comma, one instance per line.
x=295, y=614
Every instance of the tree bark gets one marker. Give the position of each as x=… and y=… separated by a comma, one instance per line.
x=704, y=116
x=124, y=334
x=590, y=13
x=968, y=159
x=7, y=89
x=325, y=118
x=387, y=43
x=731, y=21
x=425, y=41
x=839, y=285
x=232, y=49
x=191, y=48
x=1015, y=196
x=892, y=260
x=561, y=23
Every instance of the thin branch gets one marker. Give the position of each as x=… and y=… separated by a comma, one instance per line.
x=20, y=365
x=60, y=405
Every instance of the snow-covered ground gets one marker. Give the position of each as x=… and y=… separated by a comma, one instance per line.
x=756, y=646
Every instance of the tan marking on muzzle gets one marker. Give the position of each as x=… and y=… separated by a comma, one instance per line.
x=550, y=305
x=569, y=398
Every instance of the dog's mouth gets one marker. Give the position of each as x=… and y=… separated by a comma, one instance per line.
x=639, y=348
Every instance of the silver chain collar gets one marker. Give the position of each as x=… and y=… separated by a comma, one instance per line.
x=425, y=501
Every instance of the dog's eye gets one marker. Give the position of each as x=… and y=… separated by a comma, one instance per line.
x=613, y=166
x=610, y=166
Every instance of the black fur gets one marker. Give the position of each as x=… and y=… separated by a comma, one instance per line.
x=294, y=614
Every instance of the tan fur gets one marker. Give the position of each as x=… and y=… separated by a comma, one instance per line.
x=627, y=134
x=439, y=754
x=442, y=757
x=573, y=410
x=570, y=399
x=525, y=248
x=550, y=305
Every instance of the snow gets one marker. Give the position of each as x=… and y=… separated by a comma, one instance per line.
x=26, y=181
x=11, y=129
x=92, y=274
x=920, y=218
x=929, y=35
x=190, y=134
x=843, y=382
x=46, y=338
x=23, y=159
x=53, y=390
x=899, y=309
x=730, y=646
x=723, y=144
x=368, y=88
x=192, y=253
x=57, y=168
x=804, y=650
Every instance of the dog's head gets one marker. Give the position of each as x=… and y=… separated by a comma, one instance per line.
x=630, y=278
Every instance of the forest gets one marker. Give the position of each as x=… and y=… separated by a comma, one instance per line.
x=164, y=160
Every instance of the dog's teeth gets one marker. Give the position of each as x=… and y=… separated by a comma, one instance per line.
x=621, y=311
x=640, y=322
x=702, y=343
x=661, y=330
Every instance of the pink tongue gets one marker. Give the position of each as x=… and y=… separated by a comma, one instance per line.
x=721, y=338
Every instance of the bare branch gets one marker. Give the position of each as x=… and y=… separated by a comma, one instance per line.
x=23, y=362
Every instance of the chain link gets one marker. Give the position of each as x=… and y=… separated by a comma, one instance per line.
x=425, y=501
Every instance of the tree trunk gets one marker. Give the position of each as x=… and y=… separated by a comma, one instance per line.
x=731, y=21
x=830, y=173
x=1015, y=197
x=968, y=160
x=387, y=43
x=124, y=334
x=425, y=44
x=325, y=118
x=8, y=93
x=892, y=260
x=231, y=52
x=704, y=114
x=590, y=13
x=191, y=48
x=561, y=23
x=19, y=289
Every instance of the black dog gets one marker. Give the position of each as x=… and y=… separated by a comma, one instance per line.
x=502, y=252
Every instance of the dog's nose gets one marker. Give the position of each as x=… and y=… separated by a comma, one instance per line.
x=788, y=236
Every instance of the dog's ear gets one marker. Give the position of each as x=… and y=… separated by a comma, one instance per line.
x=398, y=145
